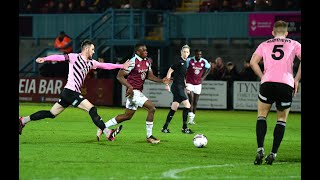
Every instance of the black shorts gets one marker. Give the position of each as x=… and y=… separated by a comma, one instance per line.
x=279, y=93
x=179, y=93
x=69, y=97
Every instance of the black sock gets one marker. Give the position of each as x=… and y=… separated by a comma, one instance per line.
x=185, y=117
x=261, y=130
x=169, y=117
x=278, y=134
x=41, y=115
x=97, y=120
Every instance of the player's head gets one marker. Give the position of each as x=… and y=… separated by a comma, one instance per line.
x=87, y=48
x=280, y=28
x=141, y=50
x=185, y=51
x=198, y=54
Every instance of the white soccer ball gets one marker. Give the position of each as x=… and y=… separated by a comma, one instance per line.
x=200, y=140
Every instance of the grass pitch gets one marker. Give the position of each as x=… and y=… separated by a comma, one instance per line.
x=66, y=147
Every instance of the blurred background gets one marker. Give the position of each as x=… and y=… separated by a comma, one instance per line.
x=228, y=30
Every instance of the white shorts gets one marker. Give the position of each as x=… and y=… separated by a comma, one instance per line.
x=194, y=88
x=136, y=101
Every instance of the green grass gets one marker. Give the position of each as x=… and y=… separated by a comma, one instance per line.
x=66, y=147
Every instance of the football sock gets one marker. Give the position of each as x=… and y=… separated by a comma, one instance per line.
x=26, y=119
x=185, y=117
x=41, y=115
x=111, y=122
x=261, y=130
x=169, y=117
x=149, y=126
x=260, y=148
x=278, y=134
x=97, y=120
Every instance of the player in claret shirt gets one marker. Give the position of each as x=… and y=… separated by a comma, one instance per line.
x=79, y=66
x=197, y=70
x=133, y=79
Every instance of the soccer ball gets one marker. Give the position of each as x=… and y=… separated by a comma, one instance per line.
x=200, y=140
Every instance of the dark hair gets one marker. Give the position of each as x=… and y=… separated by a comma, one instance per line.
x=86, y=43
x=137, y=46
x=197, y=50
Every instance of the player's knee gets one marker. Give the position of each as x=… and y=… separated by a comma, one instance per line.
x=152, y=110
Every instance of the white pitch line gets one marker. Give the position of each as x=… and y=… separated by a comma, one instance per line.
x=173, y=173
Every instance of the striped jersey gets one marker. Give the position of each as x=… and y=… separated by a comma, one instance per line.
x=79, y=67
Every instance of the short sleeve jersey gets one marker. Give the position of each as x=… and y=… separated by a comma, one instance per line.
x=138, y=72
x=179, y=74
x=278, y=56
x=195, y=70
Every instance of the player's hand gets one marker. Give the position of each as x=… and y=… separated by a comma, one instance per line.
x=40, y=60
x=127, y=64
x=129, y=92
x=166, y=80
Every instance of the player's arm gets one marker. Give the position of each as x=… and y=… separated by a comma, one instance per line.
x=169, y=72
x=207, y=70
x=109, y=66
x=121, y=78
x=154, y=78
x=297, y=77
x=168, y=77
x=205, y=74
x=54, y=58
x=254, y=63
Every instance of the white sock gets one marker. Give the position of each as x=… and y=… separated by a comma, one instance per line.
x=106, y=131
x=149, y=126
x=260, y=148
x=26, y=119
x=191, y=116
x=111, y=122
